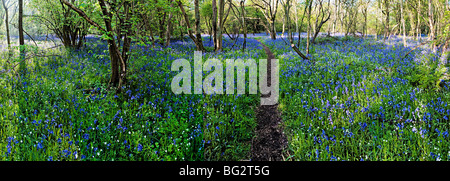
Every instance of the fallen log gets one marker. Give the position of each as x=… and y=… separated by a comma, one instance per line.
x=414, y=49
x=298, y=52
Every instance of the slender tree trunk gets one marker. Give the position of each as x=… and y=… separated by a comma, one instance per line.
x=149, y=28
x=214, y=23
x=287, y=9
x=319, y=27
x=296, y=17
x=118, y=63
x=112, y=47
x=387, y=30
x=266, y=27
x=8, y=38
x=354, y=19
x=320, y=21
x=161, y=17
x=335, y=16
x=126, y=40
x=283, y=26
x=197, y=41
x=244, y=26
x=308, y=37
x=180, y=26
x=431, y=23
x=418, y=32
x=273, y=30
x=221, y=20
x=209, y=26
x=197, y=23
x=301, y=26
x=412, y=20
x=403, y=23
x=365, y=20
x=21, y=38
x=269, y=9
x=376, y=24
x=169, y=26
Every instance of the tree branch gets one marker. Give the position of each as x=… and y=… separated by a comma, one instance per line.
x=83, y=15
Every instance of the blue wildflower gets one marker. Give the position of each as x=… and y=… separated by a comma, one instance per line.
x=86, y=136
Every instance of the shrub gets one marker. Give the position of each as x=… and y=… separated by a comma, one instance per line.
x=428, y=75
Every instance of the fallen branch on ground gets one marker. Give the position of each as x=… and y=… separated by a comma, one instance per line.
x=417, y=46
x=298, y=52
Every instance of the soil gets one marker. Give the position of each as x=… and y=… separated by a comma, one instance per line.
x=270, y=141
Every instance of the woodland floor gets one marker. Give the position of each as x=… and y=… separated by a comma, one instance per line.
x=270, y=141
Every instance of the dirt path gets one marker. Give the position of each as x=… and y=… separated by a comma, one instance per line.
x=270, y=141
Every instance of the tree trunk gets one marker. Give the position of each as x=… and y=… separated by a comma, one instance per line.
x=118, y=60
x=418, y=32
x=269, y=10
x=221, y=19
x=287, y=9
x=266, y=27
x=214, y=23
x=20, y=28
x=112, y=46
x=8, y=38
x=169, y=26
x=411, y=20
x=180, y=26
x=197, y=41
x=301, y=26
x=149, y=28
x=273, y=30
x=197, y=23
x=403, y=23
x=335, y=17
x=209, y=26
x=376, y=25
x=296, y=18
x=365, y=20
x=320, y=22
x=431, y=23
x=244, y=26
x=308, y=36
x=317, y=31
x=283, y=26
x=23, y=64
x=387, y=30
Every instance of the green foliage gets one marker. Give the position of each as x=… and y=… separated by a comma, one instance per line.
x=427, y=75
x=65, y=23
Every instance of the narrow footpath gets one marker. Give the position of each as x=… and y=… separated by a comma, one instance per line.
x=270, y=141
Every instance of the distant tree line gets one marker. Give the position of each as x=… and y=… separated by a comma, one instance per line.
x=152, y=22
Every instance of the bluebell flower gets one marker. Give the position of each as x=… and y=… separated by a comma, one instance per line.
x=86, y=136
x=445, y=134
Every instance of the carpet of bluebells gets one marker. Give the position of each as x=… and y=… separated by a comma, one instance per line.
x=62, y=108
x=359, y=101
